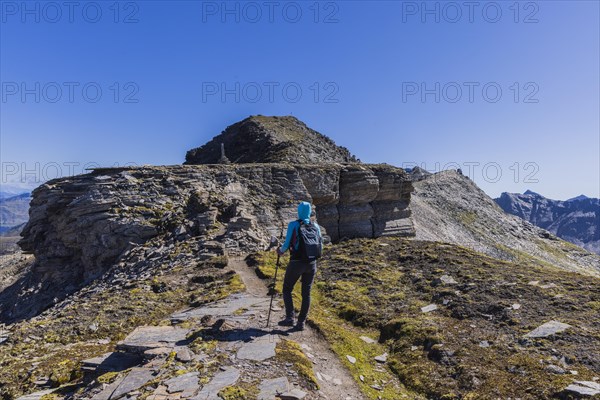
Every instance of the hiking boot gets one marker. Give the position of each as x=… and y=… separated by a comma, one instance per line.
x=299, y=326
x=288, y=321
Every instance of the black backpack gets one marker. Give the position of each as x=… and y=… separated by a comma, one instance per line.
x=310, y=243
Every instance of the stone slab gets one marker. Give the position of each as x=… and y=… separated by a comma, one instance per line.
x=259, y=349
x=186, y=383
x=221, y=380
x=150, y=337
x=429, y=308
x=585, y=388
x=367, y=339
x=270, y=388
x=134, y=380
x=221, y=308
x=548, y=329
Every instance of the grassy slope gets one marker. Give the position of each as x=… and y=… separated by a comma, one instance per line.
x=378, y=287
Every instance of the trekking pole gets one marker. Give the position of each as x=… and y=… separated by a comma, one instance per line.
x=273, y=291
x=274, y=243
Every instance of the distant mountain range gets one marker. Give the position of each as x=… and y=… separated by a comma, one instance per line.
x=14, y=210
x=576, y=220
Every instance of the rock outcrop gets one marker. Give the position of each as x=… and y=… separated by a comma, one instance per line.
x=576, y=220
x=260, y=139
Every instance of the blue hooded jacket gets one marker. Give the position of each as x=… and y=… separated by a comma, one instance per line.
x=291, y=238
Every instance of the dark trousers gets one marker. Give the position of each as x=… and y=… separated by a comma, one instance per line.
x=295, y=270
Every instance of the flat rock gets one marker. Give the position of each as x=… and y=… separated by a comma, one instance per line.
x=269, y=388
x=548, y=329
x=108, y=390
x=382, y=358
x=111, y=362
x=444, y=280
x=351, y=359
x=221, y=308
x=367, y=339
x=429, y=308
x=221, y=380
x=186, y=383
x=585, y=388
x=183, y=354
x=259, y=349
x=134, y=380
x=294, y=394
x=149, y=337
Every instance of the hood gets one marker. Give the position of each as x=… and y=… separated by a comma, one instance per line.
x=304, y=210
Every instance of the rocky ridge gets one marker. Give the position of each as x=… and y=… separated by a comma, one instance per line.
x=449, y=207
x=81, y=226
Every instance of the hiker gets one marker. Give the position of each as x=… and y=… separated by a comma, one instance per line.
x=305, y=243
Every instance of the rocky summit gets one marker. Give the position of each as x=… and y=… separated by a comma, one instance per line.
x=151, y=283
x=260, y=139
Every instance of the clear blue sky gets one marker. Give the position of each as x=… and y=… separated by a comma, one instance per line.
x=369, y=60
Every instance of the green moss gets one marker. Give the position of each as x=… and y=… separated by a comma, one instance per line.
x=594, y=305
x=240, y=391
x=108, y=377
x=290, y=352
x=64, y=372
x=51, y=396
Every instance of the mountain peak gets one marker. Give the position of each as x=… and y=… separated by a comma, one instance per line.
x=270, y=139
x=580, y=197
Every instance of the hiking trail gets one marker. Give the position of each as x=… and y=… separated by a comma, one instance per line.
x=220, y=350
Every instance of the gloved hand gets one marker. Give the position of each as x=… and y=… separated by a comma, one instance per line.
x=279, y=252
